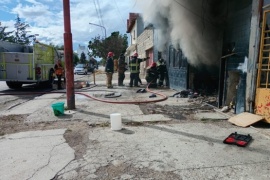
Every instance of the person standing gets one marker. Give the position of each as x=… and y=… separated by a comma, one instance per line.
x=109, y=69
x=162, y=71
x=135, y=70
x=59, y=70
x=121, y=69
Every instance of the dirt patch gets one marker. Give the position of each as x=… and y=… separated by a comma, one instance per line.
x=131, y=172
x=174, y=112
x=183, y=113
x=76, y=134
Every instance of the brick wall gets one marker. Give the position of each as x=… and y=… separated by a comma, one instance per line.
x=145, y=41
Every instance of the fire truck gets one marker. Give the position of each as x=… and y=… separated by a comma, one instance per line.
x=27, y=64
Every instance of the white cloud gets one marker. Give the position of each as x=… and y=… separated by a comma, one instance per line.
x=46, y=18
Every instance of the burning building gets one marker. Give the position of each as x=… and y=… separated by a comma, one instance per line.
x=215, y=46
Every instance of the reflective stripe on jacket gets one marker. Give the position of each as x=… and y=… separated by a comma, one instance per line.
x=134, y=66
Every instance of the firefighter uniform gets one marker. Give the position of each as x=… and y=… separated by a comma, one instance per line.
x=59, y=70
x=121, y=70
x=134, y=67
x=109, y=69
x=162, y=71
x=152, y=75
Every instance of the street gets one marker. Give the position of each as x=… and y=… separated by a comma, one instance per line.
x=159, y=140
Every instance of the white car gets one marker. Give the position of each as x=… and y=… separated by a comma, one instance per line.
x=80, y=69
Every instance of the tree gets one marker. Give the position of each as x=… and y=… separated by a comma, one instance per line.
x=21, y=36
x=75, y=58
x=116, y=43
x=5, y=36
x=83, y=58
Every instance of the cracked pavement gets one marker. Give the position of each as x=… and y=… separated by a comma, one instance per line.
x=185, y=151
x=34, y=154
x=81, y=145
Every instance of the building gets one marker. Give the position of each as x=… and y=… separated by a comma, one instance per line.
x=141, y=41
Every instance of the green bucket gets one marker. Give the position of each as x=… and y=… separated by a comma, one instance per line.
x=58, y=108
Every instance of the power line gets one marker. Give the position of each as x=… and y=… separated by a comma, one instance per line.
x=98, y=12
x=120, y=13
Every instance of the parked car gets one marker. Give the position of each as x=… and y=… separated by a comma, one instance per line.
x=80, y=69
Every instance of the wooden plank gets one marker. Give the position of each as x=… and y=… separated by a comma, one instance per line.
x=245, y=119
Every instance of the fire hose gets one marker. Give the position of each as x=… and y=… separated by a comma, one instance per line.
x=164, y=97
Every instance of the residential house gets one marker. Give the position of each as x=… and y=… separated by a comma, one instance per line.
x=141, y=41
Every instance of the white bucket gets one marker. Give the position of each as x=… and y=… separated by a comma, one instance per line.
x=116, y=121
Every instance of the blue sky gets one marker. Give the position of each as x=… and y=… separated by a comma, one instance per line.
x=46, y=18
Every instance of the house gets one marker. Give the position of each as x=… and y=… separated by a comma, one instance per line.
x=141, y=41
x=134, y=28
x=216, y=47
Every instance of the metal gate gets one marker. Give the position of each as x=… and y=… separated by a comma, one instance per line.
x=262, y=100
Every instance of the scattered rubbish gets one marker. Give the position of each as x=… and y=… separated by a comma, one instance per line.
x=225, y=109
x=238, y=139
x=116, y=121
x=152, y=96
x=112, y=95
x=81, y=84
x=141, y=91
x=58, y=108
x=186, y=94
x=245, y=119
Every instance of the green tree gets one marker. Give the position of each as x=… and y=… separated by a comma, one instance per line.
x=83, y=58
x=5, y=36
x=75, y=59
x=21, y=36
x=116, y=43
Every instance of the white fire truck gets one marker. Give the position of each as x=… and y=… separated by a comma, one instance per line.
x=27, y=64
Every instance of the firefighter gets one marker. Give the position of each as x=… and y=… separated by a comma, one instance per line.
x=59, y=71
x=162, y=71
x=134, y=67
x=152, y=75
x=109, y=69
x=121, y=69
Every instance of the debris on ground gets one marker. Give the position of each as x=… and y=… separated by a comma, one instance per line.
x=225, y=109
x=189, y=93
x=245, y=119
x=152, y=96
x=238, y=139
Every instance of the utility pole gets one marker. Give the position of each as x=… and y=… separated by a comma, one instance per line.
x=100, y=26
x=68, y=53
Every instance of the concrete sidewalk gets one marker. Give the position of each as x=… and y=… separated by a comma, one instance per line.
x=34, y=154
x=159, y=149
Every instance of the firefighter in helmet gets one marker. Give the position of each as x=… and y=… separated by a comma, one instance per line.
x=109, y=69
x=121, y=69
x=59, y=71
x=152, y=75
x=134, y=67
x=162, y=71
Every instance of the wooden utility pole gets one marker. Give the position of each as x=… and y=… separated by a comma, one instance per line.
x=68, y=52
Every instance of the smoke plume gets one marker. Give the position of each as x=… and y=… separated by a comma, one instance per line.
x=195, y=26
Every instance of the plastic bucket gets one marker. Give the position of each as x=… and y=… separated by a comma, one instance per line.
x=58, y=108
x=116, y=121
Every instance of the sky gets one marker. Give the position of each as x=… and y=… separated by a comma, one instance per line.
x=45, y=18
